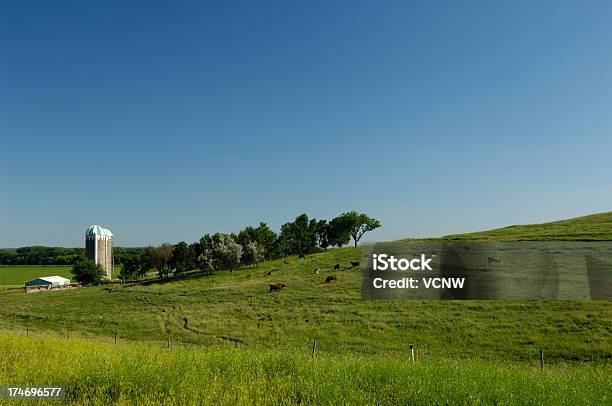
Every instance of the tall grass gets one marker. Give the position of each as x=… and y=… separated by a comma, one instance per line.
x=100, y=373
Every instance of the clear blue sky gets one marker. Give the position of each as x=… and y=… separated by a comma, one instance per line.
x=167, y=120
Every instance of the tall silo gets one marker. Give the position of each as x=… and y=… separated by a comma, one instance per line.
x=99, y=248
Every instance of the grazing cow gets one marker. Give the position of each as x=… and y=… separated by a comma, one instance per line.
x=493, y=260
x=316, y=271
x=354, y=263
x=286, y=262
x=302, y=256
x=337, y=266
x=434, y=254
x=270, y=273
x=276, y=287
x=331, y=278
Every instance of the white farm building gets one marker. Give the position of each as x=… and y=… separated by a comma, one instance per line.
x=47, y=282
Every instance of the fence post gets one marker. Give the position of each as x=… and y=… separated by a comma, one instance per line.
x=27, y=330
x=412, y=353
x=168, y=341
x=314, y=347
x=115, y=337
x=542, y=359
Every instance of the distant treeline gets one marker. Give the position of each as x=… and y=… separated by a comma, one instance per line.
x=251, y=245
x=38, y=255
x=214, y=252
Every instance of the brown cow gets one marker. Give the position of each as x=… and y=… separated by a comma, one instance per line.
x=302, y=256
x=331, y=278
x=493, y=260
x=337, y=266
x=270, y=273
x=276, y=287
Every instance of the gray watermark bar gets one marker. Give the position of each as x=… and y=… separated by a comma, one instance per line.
x=524, y=270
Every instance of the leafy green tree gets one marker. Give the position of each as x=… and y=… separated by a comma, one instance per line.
x=252, y=253
x=226, y=252
x=265, y=239
x=204, y=254
x=355, y=224
x=338, y=232
x=262, y=235
x=280, y=248
x=131, y=267
x=86, y=271
x=249, y=234
x=158, y=258
x=300, y=235
x=323, y=234
x=182, y=258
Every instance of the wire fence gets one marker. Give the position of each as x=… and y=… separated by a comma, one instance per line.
x=413, y=351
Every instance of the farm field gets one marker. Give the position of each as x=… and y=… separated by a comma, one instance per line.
x=96, y=373
x=236, y=309
x=160, y=342
x=16, y=275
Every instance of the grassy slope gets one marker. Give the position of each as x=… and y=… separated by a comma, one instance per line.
x=237, y=309
x=245, y=345
x=100, y=374
x=596, y=227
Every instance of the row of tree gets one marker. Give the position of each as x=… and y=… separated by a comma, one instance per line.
x=38, y=255
x=251, y=245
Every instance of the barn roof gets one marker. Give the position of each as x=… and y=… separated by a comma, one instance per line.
x=54, y=279
x=96, y=230
x=48, y=280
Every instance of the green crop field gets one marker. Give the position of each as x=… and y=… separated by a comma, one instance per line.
x=16, y=275
x=96, y=373
x=231, y=340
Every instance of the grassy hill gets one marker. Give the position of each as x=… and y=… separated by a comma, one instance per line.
x=236, y=309
x=596, y=227
x=226, y=339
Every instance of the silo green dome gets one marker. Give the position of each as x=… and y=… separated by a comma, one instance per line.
x=96, y=230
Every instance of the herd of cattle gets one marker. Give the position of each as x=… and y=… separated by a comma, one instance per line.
x=277, y=287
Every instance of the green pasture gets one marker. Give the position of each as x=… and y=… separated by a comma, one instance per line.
x=225, y=339
x=17, y=275
x=237, y=309
x=596, y=227
x=95, y=373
